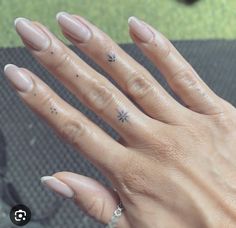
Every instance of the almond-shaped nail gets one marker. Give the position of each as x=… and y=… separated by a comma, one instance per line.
x=74, y=27
x=31, y=34
x=18, y=78
x=139, y=29
x=57, y=186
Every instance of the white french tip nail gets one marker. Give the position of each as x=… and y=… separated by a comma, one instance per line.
x=58, y=186
x=45, y=178
x=8, y=65
x=60, y=14
x=19, y=19
x=21, y=80
x=131, y=18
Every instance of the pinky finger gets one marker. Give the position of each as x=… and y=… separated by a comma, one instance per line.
x=95, y=199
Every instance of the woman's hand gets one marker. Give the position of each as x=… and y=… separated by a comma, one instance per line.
x=175, y=165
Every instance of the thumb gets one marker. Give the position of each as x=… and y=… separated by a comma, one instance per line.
x=94, y=198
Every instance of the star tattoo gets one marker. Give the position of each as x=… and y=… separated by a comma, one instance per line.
x=122, y=116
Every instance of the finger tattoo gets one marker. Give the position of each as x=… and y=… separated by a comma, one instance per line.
x=122, y=116
x=111, y=57
x=53, y=110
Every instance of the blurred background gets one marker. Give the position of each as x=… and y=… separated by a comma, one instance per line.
x=29, y=149
x=178, y=19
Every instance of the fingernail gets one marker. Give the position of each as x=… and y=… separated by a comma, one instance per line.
x=57, y=186
x=20, y=79
x=72, y=26
x=140, y=29
x=31, y=34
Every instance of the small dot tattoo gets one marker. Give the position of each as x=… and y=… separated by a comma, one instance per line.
x=111, y=57
x=53, y=110
x=122, y=116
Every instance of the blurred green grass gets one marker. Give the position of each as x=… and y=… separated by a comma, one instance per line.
x=206, y=19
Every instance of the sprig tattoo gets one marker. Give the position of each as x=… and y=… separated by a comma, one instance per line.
x=111, y=57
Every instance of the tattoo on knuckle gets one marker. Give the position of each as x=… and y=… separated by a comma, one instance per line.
x=138, y=86
x=71, y=131
x=99, y=97
x=49, y=102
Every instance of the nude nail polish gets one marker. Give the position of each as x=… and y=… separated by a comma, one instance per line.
x=74, y=27
x=31, y=34
x=57, y=186
x=19, y=79
x=139, y=29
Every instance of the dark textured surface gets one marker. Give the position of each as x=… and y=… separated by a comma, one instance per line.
x=33, y=150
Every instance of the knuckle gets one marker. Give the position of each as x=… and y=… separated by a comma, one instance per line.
x=226, y=121
x=197, y=133
x=99, y=97
x=138, y=86
x=61, y=61
x=138, y=172
x=96, y=208
x=136, y=176
x=168, y=149
x=164, y=148
x=133, y=179
x=185, y=78
x=71, y=131
x=46, y=99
